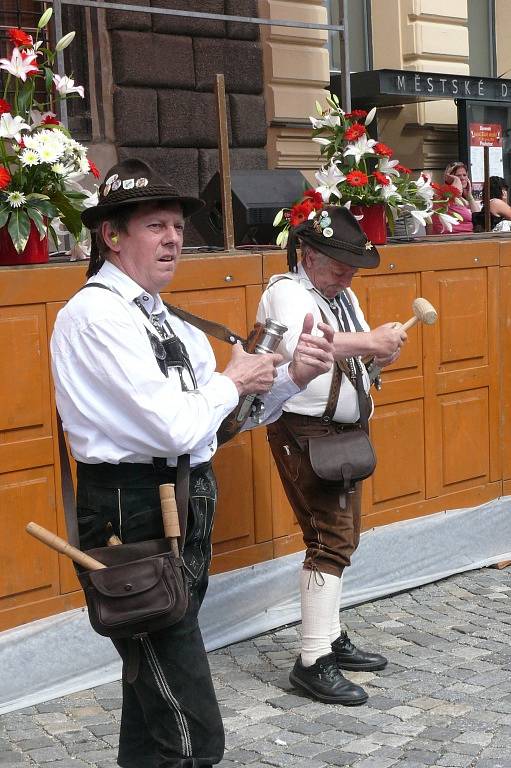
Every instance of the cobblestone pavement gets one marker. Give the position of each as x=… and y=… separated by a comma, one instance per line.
x=444, y=699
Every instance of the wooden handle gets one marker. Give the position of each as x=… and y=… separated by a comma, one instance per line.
x=169, y=511
x=410, y=323
x=62, y=546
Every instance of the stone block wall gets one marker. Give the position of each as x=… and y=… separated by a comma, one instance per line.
x=164, y=107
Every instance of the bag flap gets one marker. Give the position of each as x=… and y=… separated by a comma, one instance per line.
x=127, y=579
x=345, y=456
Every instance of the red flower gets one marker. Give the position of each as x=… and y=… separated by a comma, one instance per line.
x=357, y=178
x=21, y=144
x=354, y=132
x=5, y=177
x=19, y=37
x=403, y=168
x=436, y=186
x=355, y=113
x=50, y=120
x=381, y=178
x=4, y=106
x=300, y=212
x=93, y=169
x=382, y=149
x=314, y=197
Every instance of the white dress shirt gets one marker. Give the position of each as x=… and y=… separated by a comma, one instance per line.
x=287, y=301
x=115, y=403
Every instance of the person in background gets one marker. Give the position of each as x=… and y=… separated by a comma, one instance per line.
x=500, y=210
x=456, y=175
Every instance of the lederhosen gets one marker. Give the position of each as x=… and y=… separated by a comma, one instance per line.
x=170, y=714
x=330, y=519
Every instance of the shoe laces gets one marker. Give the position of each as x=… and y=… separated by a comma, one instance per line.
x=328, y=669
x=346, y=643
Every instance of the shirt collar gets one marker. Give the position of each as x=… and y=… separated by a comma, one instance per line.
x=128, y=288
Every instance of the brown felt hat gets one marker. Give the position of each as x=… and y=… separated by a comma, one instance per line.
x=336, y=233
x=133, y=181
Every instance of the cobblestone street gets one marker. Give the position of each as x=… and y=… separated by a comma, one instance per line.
x=444, y=699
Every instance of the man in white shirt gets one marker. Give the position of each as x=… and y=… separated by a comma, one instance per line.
x=333, y=248
x=136, y=388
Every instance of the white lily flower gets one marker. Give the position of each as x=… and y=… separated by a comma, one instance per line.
x=65, y=85
x=328, y=179
x=388, y=166
x=420, y=218
x=37, y=117
x=65, y=41
x=11, y=127
x=370, y=116
x=328, y=120
x=390, y=190
x=320, y=140
x=447, y=221
x=359, y=148
x=21, y=64
x=424, y=188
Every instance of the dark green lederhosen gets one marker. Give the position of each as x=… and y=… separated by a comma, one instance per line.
x=170, y=715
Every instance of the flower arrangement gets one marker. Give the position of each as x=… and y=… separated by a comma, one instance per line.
x=41, y=165
x=360, y=171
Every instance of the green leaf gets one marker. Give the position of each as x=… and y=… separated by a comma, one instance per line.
x=38, y=219
x=19, y=229
x=45, y=207
x=69, y=214
x=54, y=236
x=4, y=215
x=48, y=79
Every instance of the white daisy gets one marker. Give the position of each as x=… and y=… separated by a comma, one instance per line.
x=16, y=199
x=29, y=157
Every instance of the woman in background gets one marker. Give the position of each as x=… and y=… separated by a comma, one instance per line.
x=456, y=175
x=500, y=210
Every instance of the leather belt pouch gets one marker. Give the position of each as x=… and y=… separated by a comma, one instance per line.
x=342, y=457
x=143, y=589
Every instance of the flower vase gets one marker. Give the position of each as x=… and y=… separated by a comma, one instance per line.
x=373, y=222
x=36, y=250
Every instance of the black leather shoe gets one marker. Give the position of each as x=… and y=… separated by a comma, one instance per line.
x=348, y=656
x=324, y=682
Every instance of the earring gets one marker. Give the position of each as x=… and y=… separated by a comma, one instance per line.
x=114, y=239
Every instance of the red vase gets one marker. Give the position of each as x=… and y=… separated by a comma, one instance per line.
x=373, y=223
x=36, y=250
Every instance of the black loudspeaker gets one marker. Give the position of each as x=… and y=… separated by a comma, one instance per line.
x=257, y=196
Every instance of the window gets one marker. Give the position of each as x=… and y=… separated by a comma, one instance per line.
x=359, y=34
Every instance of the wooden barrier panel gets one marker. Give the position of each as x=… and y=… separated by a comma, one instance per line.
x=437, y=427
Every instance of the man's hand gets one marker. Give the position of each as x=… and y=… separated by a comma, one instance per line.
x=313, y=355
x=252, y=374
x=386, y=341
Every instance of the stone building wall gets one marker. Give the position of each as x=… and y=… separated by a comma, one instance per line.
x=163, y=75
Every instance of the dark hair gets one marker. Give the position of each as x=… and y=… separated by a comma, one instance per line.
x=497, y=187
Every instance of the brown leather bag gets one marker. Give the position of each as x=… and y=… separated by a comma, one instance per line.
x=143, y=589
x=342, y=457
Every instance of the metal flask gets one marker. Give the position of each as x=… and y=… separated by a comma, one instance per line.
x=270, y=339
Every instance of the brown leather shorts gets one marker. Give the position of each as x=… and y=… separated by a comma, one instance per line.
x=329, y=518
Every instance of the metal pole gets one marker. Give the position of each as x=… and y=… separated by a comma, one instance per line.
x=57, y=15
x=345, y=58
x=486, y=189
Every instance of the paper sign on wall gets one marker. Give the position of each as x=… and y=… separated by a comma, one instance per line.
x=485, y=135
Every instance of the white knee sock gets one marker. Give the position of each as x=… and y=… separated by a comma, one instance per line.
x=320, y=593
x=335, y=626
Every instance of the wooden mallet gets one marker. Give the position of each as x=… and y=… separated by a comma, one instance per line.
x=423, y=312
x=170, y=516
x=61, y=545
